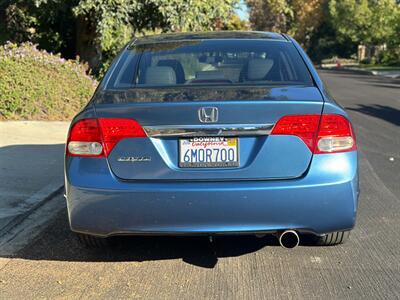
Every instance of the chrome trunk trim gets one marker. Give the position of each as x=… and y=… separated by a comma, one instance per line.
x=208, y=130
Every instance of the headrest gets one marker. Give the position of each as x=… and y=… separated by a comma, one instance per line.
x=176, y=65
x=207, y=75
x=258, y=68
x=160, y=76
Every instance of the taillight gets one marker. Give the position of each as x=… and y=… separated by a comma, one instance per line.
x=335, y=134
x=97, y=137
x=85, y=139
x=328, y=133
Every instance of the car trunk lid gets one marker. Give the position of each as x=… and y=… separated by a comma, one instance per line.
x=245, y=114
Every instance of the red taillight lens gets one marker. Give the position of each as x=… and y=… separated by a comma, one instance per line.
x=85, y=130
x=97, y=137
x=302, y=126
x=328, y=133
x=114, y=130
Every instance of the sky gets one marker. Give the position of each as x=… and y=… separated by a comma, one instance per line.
x=242, y=10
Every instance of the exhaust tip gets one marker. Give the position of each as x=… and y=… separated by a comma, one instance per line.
x=289, y=239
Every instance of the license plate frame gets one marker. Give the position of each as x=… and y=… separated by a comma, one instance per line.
x=234, y=141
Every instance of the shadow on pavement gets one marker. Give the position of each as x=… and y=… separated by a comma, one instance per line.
x=383, y=112
x=58, y=243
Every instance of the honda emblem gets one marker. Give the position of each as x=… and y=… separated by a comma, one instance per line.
x=208, y=114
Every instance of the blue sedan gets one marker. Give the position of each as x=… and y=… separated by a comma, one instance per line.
x=208, y=134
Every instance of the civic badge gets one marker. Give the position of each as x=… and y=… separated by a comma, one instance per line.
x=134, y=159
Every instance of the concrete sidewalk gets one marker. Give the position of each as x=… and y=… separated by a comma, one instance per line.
x=31, y=166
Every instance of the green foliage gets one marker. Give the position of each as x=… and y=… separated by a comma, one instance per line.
x=333, y=27
x=369, y=22
x=20, y=22
x=324, y=41
x=270, y=15
x=299, y=18
x=96, y=29
x=193, y=15
x=235, y=23
x=115, y=21
x=38, y=85
x=357, y=28
x=49, y=23
x=391, y=57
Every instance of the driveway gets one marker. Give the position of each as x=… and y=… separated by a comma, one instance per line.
x=31, y=164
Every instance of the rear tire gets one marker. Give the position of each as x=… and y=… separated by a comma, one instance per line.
x=90, y=241
x=334, y=238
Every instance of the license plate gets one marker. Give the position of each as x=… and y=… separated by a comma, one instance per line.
x=209, y=152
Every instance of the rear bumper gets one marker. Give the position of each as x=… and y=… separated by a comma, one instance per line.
x=323, y=201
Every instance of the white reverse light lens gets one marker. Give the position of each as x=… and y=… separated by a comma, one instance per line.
x=85, y=148
x=335, y=143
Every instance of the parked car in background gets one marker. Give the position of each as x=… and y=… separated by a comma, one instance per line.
x=208, y=134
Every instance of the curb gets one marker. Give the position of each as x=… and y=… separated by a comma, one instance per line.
x=33, y=203
x=360, y=72
x=370, y=72
x=348, y=70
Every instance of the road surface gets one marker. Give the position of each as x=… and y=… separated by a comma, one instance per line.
x=54, y=265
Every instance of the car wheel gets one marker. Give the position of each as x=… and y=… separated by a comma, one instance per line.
x=90, y=241
x=334, y=238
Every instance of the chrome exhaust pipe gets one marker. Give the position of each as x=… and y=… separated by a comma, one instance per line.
x=289, y=239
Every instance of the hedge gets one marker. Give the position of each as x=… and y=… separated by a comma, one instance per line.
x=37, y=85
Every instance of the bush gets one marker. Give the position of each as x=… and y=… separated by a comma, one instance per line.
x=41, y=86
x=391, y=57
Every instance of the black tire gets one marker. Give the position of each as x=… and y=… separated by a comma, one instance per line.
x=90, y=241
x=334, y=238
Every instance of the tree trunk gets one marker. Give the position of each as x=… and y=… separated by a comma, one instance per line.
x=87, y=45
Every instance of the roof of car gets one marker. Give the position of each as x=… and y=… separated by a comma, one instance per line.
x=216, y=35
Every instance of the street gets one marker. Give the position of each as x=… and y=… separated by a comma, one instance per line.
x=54, y=265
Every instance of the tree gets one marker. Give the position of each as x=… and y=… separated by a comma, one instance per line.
x=369, y=22
x=193, y=15
x=270, y=15
x=328, y=27
x=45, y=22
x=100, y=27
x=307, y=18
x=298, y=18
x=105, y=25
x=236, y=23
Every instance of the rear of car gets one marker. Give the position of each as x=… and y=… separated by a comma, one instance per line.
x=211, y=134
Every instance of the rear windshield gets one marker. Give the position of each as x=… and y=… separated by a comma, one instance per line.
x=209, y=62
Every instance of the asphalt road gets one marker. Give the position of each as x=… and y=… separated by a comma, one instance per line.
x=54, y=265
